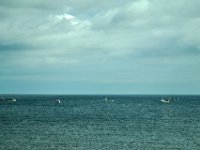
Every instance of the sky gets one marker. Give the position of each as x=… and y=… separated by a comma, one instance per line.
x=100, y=47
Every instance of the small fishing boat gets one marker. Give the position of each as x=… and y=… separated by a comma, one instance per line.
x=12, y=100
x=8, y=100
x=58, y=101
x=106, y=99
x=165, y=100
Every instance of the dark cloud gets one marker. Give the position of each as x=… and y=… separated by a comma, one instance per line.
x=15, y=47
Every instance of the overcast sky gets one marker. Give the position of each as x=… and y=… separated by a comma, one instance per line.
x=100, y=46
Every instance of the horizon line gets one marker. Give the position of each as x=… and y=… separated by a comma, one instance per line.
x=103, y=94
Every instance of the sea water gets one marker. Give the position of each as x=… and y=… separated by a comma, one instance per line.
x=92, y=122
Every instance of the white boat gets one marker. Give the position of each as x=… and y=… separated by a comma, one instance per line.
x=58, y=101
x=13, y=100
x=8, y=100
x=165, y=101
x=106, y=99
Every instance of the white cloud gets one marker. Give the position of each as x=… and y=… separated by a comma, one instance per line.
x=66, y=17
x=139, y=7
x=121, y=36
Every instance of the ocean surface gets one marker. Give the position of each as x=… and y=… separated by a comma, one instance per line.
x=92, y=122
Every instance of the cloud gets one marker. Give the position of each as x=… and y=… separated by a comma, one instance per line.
x=124, y=38
x=67, y=17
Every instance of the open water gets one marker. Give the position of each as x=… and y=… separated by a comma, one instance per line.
x=37, y=122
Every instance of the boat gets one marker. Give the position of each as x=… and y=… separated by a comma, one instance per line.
x=165, y=100
x=58, y=101
x=8, y=100
x=106, y=99
x=13, y=100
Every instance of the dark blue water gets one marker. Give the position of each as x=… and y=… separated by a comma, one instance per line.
x=93, y=123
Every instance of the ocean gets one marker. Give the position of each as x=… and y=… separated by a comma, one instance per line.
x=94, y=122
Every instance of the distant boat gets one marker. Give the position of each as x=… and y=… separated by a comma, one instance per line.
x=165, y=100
x=58, y=101
x=106, y=99
x=8, y=100
x=12, y=100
